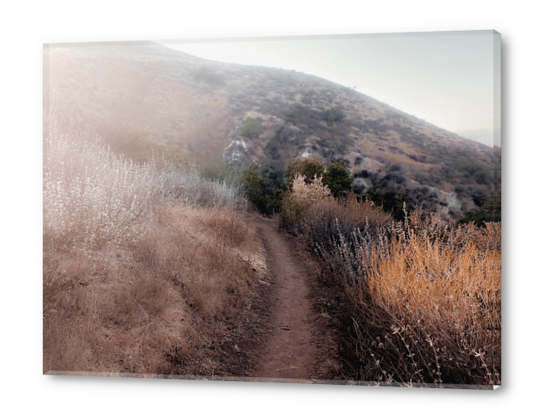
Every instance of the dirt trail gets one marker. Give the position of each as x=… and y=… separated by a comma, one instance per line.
x=290, y=352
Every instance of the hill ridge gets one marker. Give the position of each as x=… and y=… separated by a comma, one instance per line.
x=199, y=106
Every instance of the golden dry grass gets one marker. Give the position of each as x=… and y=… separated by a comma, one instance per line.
x=436, y=308
x=425, y=294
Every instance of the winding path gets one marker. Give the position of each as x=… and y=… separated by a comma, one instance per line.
x=290, y=352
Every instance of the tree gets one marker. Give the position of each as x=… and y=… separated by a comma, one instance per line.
x=337, y=177
x=307, y=166
x=252, y=185
x=264, y=189
x=251, y=128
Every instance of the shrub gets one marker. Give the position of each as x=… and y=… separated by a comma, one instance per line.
x=324, y=221
x=301, y=198
x=190, y=186
x=264, y=190
x=333, y=114
x=338, y=178
x=252, y=186
x=90, y=195
x=250, y=128
x=394, y=202
x=430, y=311
x=306, y=166
x=489, y=212
x=482, y=176
x=217, y=169
x=95, y=197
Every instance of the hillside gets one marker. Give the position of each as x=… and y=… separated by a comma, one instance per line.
x=140, y=91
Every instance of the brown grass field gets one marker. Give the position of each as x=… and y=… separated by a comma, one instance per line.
x=137, y=280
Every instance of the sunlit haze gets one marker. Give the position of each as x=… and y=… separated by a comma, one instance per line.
x=449, y=79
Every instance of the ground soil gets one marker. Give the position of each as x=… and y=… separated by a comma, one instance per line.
x=293, y=329
x=298, y=347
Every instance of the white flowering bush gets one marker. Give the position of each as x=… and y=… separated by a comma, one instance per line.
x=308, y=194
x=190, y=186
x=90, y=195
x=302, y=197
x=93, y=197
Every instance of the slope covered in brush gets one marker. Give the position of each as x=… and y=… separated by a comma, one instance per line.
x=268, y=116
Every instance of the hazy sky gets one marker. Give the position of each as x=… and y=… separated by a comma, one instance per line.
x=446, y=78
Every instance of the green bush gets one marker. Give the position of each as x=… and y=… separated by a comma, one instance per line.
x=307, y=166
x=333, y=114
x=264, y=189
x=482, y=176
x=251, y=128
x=489, y=212
x=337, y=177
x=394, y=203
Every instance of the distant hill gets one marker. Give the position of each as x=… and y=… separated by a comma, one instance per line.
x=266, y=116
x=488, y=137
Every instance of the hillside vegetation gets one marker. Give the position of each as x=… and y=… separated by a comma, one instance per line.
x=255, y=115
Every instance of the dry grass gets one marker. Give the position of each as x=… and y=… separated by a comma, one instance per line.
x=178, y=287
x=431, y=310
x=425, y=294
x=140, y=280
x=321, y=221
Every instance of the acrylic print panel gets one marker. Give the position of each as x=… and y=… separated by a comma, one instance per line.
x=309, y=209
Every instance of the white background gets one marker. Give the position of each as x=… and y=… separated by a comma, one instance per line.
x=25, y=26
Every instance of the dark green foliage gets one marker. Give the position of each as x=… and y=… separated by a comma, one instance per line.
x=480, y=173
x=479, y=197
x=264, y=189
x=252, y=185
x=251, y=128
x=391, y=202
x=304, y=166
x=482, y=176
x=490, y=212
x=338, y=179
x=333, y=114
